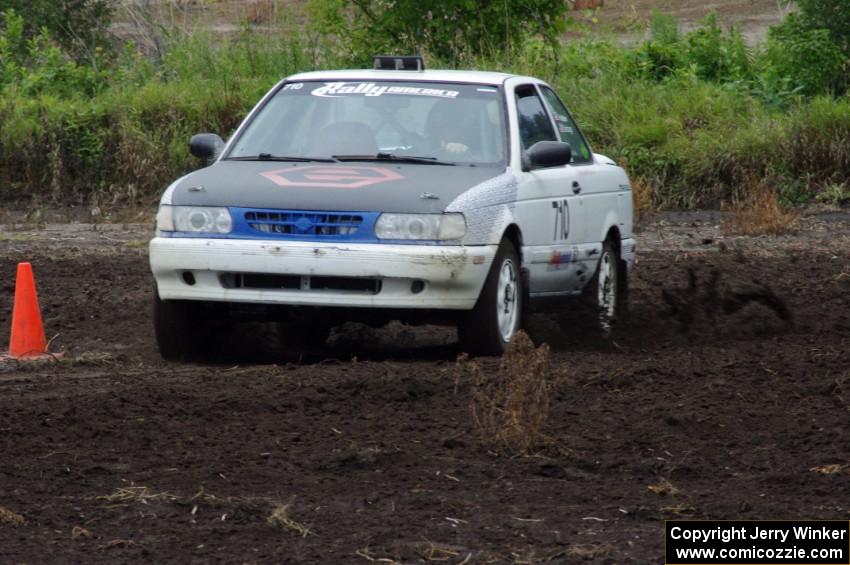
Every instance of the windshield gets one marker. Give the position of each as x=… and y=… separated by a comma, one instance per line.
x=446, y=122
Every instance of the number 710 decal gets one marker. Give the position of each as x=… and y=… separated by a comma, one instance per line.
x=562, y=220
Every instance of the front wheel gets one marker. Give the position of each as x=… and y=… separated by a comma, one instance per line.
x=177, y=326
x=497, y=315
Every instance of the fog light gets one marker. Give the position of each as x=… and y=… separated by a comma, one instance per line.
x=188, y=278
x=417, y=286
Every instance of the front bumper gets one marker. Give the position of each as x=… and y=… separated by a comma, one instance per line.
x=399, y=276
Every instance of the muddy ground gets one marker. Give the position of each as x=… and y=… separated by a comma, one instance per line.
x=728, y=395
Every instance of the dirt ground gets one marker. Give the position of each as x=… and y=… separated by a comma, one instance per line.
x=627, y=17
x=728, y=394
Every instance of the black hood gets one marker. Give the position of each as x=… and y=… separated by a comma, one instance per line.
x=353, y=187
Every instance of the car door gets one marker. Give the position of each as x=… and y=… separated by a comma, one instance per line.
x=549, y=211
x=598, y=184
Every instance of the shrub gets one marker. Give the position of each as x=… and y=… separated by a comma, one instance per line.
x=807, y=57
x=38, y=65
x=509, y=409
x=716, y=55
x=661, y=55
x=830, y=15
x=446, y=29
x=80, y=26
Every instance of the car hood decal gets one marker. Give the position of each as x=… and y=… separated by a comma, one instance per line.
x=351, y=186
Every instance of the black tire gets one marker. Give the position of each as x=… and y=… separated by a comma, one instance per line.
x=623, y=292
x=302, y=335
x=489, y=326
x=304, y=328
x=178, y=326
x=604, y=293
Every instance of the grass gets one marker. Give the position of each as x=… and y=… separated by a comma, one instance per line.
x=509, y=408
x=834, y=194
x=641, y=198
x=589, y=551
x=833, y=469
x=11, y=518
x=687, y=141
x=143, y=495
x=366, y=553
x=280, y=517
x=758, y=211
x=277, y=514
x=664, y=488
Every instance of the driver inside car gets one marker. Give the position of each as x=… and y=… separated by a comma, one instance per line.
x=450, y=128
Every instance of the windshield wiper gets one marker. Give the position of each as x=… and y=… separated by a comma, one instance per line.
x=270, y=157
x=393, y=157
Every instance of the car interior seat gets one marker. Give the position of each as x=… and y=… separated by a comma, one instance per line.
x=343, y=138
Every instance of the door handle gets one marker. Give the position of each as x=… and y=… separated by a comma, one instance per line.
x=576, y=187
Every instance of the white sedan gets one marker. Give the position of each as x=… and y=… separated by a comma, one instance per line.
x=421, y=195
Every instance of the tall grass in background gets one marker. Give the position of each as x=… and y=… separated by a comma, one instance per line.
x=125, y=137
x=693, y=118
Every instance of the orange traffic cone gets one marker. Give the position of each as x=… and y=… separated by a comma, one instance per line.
x=27, y=338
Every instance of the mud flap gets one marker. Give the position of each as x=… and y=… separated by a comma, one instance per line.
x=623, y=290
x=527, y=308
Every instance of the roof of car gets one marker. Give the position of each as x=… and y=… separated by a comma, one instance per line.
x=475, y=77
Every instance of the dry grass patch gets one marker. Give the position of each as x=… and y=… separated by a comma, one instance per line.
x=758, y=212
x=144, y=495
x=116, y=543
x=257, y=508
x=834, y=469
x=10, y=518
x=80, y=532
x=437, y=552
x=679, y=510
x=366, y=553
x=280, y=517
x=664, y=488
x=509, y=409
x=641, y=198
x=590, y=550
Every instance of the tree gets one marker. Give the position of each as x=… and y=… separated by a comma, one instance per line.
x=447, y=29
x=812, y=47
x=831, y=15
x=80, y=26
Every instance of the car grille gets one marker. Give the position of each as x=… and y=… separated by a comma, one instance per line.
x=300, y=282
x=303, y=223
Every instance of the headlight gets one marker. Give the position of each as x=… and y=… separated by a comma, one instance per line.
x=194, y=219
x=421, y=226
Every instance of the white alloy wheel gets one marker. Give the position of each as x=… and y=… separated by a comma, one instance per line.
x=507, y=305
x=606, y=289
x=496, y=317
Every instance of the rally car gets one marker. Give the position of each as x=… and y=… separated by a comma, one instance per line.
x=393, y=193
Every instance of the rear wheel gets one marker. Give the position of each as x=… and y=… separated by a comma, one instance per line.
x=604, y=292
x=177, y=325
x=489, y=327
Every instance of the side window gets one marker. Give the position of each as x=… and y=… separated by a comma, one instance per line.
x=534, y=123
x=567, y=130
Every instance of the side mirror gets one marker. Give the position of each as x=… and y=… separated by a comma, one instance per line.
x=547, y=154
x=206, y=145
